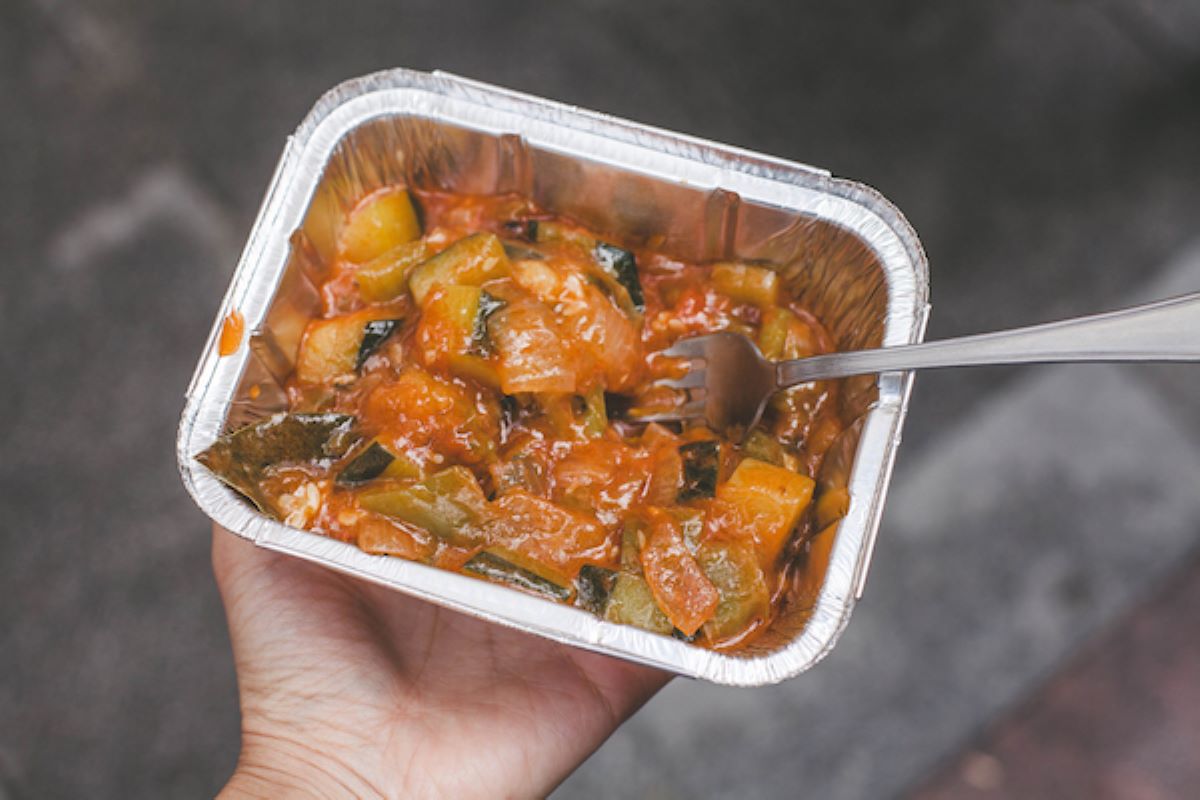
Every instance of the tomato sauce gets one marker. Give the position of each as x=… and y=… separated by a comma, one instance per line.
x=485, y=348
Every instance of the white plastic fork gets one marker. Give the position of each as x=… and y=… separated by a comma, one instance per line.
x=733, y=386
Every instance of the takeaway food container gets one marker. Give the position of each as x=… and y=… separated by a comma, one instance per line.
x=844, y=250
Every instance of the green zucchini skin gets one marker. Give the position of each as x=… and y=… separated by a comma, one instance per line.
x=493, y=567
x=701, y=462
x=481, y=340
x=375, y=333
x=367, y=465
x=622, y=266
x=594, y=585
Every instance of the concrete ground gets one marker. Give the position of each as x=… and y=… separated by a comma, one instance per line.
x=1027, y=626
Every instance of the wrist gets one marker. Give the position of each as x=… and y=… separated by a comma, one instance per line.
x=270, y=767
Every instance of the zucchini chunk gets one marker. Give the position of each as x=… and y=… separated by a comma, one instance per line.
x=385, y=277
x=471, y=261
x=632, y=603
x=375, y=333
x=449, y=504
x=331, y=348
x=701, y=461
x=381, y=222
x=735, y=571
x=746, y=284
x=367, y=465
x=593, y=587
x=489, y=565
x=241, y=458
x=621, y=266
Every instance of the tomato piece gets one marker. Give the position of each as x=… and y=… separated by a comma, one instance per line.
x=429, y=418
x=679, y=585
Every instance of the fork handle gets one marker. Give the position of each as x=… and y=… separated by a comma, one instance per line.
x=1166, y=330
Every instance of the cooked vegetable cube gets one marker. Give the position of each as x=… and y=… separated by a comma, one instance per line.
x=448, y=323
x=330, y=347
x=375, y=333
x=735, y=572
x=497, y=567
x=701, y=464
x=746, y=284
x=632, y=603
x=472, y=261
x=381, y=222
x=770, y=500
x=385, y=277
x=784, y=335
x=449, y=504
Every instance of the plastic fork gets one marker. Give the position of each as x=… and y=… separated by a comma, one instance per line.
x=729, y=381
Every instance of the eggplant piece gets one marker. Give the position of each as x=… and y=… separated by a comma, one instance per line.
x=367, y=465
x=621, y=265
x=375, y=333
x=594, y=585
x=241, y=458
x=481, y=342
x=496, y=568
x=701, y=463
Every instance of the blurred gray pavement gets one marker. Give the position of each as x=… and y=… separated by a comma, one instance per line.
x=1047, y=153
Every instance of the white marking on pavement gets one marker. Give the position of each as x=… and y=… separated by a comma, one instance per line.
x=162, y=195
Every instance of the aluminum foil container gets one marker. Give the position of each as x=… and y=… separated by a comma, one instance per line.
x=844, y=250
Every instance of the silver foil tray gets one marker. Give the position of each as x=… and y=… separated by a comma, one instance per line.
x=844, y=250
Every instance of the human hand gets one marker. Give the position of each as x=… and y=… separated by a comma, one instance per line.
x=350, y=689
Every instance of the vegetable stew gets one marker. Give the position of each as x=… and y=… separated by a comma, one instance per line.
x=458, y=402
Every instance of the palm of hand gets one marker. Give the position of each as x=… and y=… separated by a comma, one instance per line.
x=348, y=688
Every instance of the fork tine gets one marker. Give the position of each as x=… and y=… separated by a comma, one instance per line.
x=687, y=348
x=692, y=380
x=686, y=411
